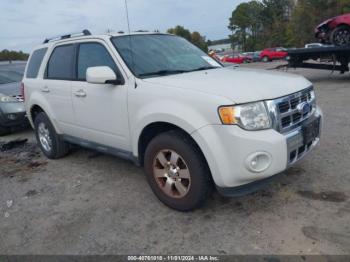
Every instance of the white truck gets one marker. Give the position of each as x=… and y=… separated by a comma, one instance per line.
x=161, y=102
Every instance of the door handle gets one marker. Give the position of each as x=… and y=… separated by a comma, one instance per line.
x=80, y=93
x=45, y=89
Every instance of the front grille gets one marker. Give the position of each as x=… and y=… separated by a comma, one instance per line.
x=288, y=115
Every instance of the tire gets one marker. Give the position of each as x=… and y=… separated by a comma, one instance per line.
x=340, y=36
x=192, y=174
x=52, y=146
x=265, y=59
x=4, y=131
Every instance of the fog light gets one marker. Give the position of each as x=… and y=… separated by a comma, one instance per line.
x=258, y=162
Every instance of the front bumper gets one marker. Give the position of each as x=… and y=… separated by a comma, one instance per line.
x=230, y=150
x=12, y=114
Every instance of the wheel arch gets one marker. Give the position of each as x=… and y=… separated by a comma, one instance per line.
x=153, y=129
x=342, y=24
x=36, y=108
x=34, y=111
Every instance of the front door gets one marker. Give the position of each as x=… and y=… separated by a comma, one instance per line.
x=100, y=109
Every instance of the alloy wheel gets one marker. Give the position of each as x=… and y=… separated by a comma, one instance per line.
x=171, y=174
x=44, y=137
x=342, y=37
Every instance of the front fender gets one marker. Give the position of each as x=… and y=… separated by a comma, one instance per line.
x=181, y=115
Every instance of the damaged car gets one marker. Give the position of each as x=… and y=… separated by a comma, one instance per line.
x=335, y=31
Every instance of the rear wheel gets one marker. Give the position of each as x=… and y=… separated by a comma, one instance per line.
x=341, y=36
x=176, y=171
x=49, y=142
x=4, y=131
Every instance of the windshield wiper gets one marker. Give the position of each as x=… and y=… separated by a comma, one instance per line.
x=170, y=72
x=164, y=72
x=203, y=68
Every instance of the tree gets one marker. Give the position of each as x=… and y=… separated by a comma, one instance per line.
x=199, y=40
x=195, y=37
x=245, y=24
x=276, y=15
x=270, y=23
x=6, y=55
x=180, y=31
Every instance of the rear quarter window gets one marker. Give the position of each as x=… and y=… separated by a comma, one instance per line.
x=35, y=62
x=61, y=63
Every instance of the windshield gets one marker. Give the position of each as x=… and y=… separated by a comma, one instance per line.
x=154, y=55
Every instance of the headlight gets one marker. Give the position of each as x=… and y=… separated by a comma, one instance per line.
x=252, y=116
x=312, y=94
x=7, y=99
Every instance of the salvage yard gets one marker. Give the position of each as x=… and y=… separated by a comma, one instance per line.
x=89, y=203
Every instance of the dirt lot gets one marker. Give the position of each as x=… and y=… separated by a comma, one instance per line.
x=89, y=203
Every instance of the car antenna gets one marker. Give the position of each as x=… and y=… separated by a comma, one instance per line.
x=130, y=41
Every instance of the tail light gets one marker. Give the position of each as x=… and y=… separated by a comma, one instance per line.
x=22, y=90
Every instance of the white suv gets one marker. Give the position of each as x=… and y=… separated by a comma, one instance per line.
x=161, y=102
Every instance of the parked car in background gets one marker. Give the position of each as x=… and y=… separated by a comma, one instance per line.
x=253, y=56
x=335, y=31
x=270, y=54
x=12, y=109
x=236, y=59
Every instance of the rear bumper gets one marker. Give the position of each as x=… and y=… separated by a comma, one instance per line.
x=12, y=114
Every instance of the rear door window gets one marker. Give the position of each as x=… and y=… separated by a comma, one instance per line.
x=35, y=62
x=94, y=54
x=61, y=63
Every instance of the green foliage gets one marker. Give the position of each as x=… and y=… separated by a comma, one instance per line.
x=6, y=55
x=245, y=24
x=194, y=37
x=218, y=42
x=180, y=31
x=268, y=23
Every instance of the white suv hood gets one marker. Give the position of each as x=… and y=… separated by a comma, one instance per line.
x=237, y=84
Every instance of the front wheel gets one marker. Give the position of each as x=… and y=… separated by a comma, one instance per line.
x=176, y=171
x=341, y=36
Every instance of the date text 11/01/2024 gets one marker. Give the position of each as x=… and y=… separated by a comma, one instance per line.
x=173, y=258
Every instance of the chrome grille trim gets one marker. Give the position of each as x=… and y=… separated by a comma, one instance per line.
x=284, y=113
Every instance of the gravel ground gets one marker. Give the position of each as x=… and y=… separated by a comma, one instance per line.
x=88, y=203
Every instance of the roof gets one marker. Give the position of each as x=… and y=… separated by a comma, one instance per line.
x=86, y=34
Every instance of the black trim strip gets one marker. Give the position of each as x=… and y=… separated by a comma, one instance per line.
x=100, y=148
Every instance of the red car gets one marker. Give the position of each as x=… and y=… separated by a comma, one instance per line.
x=276, y=53
x=237, y=59
x=335, y=31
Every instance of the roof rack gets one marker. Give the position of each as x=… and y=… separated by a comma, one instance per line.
x=70, y=35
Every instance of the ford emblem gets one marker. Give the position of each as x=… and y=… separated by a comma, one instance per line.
x=304, y=108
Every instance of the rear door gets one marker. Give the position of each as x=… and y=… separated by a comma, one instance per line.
x=101, y=109
x=56, y=86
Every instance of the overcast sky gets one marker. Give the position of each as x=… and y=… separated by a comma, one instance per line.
x=25, y=23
